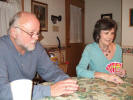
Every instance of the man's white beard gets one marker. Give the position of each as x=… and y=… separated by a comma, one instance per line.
x=28, y=47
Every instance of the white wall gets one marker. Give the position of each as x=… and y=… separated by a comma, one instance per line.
x=127, y=36
x=93, y=11
x=127, y=31
x=55, y=7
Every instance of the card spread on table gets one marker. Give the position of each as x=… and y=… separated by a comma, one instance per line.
x=114, y=67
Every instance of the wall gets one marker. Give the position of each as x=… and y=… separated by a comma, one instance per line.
x=127, y=36
x=93, y=11
x=127, y=31
x=55, y=7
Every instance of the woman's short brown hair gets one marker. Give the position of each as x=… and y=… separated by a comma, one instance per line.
x=103, y=24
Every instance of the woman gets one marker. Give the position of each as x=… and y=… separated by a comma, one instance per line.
x=103, y=57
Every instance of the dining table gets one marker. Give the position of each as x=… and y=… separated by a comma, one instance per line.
x=98, y=89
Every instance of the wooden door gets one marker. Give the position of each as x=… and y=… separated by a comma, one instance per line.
x=73, y=49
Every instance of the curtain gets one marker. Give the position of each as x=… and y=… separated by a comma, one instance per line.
x=7, y=10
x=75, y=24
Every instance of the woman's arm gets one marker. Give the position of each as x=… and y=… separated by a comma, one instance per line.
x=82, y=68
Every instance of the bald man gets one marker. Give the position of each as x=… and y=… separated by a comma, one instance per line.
x=21, y=56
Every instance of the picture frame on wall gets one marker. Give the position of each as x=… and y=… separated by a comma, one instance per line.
x=106, y=16
x=41, y=12
x=131, y=17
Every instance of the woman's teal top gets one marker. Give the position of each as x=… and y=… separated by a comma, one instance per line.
x=95, y=59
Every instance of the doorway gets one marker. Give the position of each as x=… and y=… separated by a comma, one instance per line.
x=74, y=33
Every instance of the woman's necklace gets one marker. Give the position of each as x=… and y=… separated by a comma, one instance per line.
x=106, y=51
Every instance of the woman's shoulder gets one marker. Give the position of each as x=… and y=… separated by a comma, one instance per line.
x=91, y=46
x=118, y=46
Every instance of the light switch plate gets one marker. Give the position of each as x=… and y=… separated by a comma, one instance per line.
x=55, y=28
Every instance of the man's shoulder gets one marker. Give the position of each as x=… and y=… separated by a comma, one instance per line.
x=39, y=47
x=4, y=45
x=4, y=41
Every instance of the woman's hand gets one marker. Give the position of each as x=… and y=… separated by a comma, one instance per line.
x=109, y=77
x=114, y=78
x=121, y=72
x=64, y=87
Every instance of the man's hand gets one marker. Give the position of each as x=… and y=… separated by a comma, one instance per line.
x=64, y=87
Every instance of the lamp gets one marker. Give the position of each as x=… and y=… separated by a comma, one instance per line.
x=54, y=18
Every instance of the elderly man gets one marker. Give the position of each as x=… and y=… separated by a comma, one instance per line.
x=21, y=56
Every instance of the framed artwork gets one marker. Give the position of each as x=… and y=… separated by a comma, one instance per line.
x=106, y=16
x=41, y=12
x=131, y=17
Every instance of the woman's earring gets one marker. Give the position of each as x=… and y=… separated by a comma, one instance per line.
x=98, y=37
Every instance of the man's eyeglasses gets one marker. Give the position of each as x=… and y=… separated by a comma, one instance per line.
x=31, y=34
